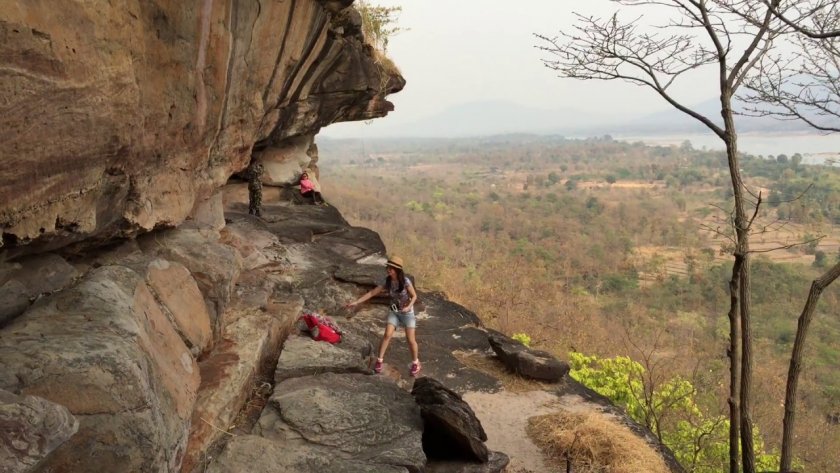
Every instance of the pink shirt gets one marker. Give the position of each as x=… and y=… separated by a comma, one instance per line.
x=306, y=186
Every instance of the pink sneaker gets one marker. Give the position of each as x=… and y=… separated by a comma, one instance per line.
x=415, y=368
x=377, y=368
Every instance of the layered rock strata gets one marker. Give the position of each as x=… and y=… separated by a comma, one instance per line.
x=120, y=117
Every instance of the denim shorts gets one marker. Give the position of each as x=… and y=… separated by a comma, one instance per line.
x=402, y=319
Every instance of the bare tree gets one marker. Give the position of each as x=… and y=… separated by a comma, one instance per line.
x=802, y=85
x=799, y=86
x=815, y=19
x=702, y=33
x=799, y=80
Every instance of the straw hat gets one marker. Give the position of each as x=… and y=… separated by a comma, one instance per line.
x=395, y=262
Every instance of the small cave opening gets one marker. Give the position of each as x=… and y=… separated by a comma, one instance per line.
x=9, y=239
x=440, y=445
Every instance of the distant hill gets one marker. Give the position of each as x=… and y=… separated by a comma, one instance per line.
x=481, y=119
x=500, y=117
x=673, y=120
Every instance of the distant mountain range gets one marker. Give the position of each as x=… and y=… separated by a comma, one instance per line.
x=499, y=117
x=672, y=121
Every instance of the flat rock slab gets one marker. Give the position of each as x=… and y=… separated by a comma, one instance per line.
x=300, y=224
x=524, y=361
x=255, y=454
x=303, y=356
x=357, y=417
x=32, y=428
x=353, y=243
x=442, y=327
x=496, y=463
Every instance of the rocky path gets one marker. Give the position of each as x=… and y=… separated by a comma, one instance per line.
x=178, y=352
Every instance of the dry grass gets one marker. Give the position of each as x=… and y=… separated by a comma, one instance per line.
x=492, y=366
x=386, y=63
x=593, y=443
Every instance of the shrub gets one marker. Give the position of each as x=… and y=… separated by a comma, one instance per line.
x=522, y=338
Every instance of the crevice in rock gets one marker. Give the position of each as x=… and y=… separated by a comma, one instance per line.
x=262, y=387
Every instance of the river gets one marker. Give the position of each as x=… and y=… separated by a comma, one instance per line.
x=815, y=149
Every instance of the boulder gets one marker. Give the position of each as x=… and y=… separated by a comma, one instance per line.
x=182, y=301
x=522, y=360
x=355, y=417
x=451, y=429
x=104, y=349
x=32, y=427
x=214, y=265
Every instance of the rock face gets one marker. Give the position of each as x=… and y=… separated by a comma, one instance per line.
x=32, y=427
x=105, y=351
x=117, y=117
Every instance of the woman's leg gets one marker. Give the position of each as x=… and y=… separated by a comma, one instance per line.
x=386, y=338
x=412, y=343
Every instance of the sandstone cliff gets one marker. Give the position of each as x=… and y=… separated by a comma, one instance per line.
x=118, y=117
x=147, y=321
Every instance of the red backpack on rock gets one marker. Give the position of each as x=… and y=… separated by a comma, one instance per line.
x=322, y=329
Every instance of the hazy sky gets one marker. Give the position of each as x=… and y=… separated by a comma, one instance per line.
x=461, y=51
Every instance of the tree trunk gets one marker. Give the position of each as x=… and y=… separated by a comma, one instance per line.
x=739, y=310
x=734, y=353
x=747, y=447
x=817, y=287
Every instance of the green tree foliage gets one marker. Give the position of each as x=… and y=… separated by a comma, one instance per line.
x=820, y=259
x=669, y=409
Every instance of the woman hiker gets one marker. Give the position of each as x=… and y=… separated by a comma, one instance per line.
x=403, y=296
x=307, y=189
